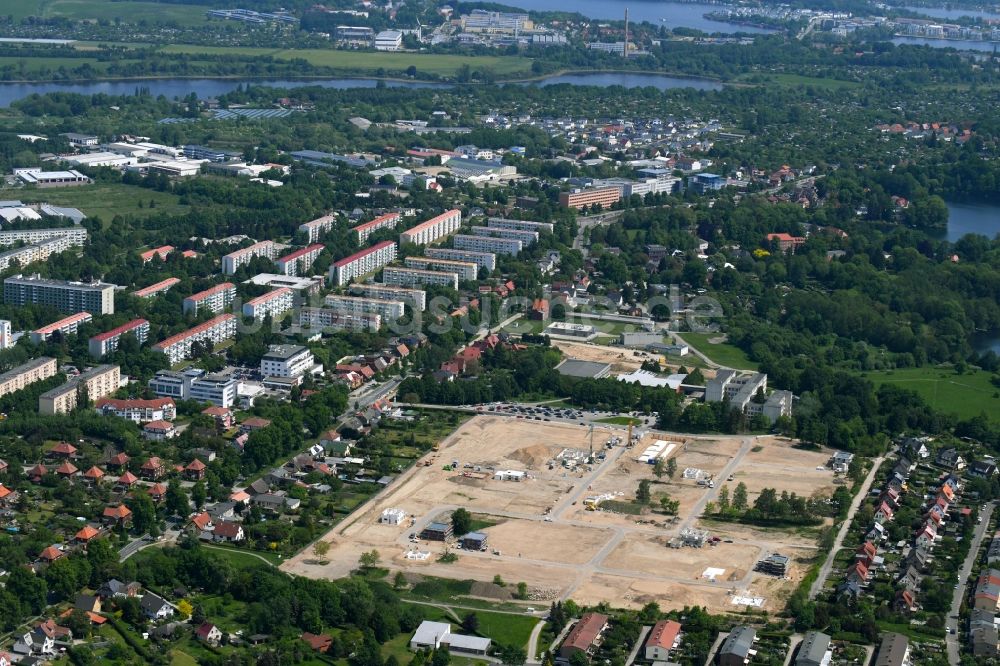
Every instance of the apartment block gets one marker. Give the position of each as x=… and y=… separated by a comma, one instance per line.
x=160, y=287
x=30, y=254
x=433, y=229
x=287, y=361
x=178, y=347
x=28, y=373
x=413, y=277
x=315, y=229
x=139, y=411
x=486, y=260
x=387, y=221
x=415, y=298
x=96, y=382
x=97, y=297
x=363, y=262
x=357, y=305
x=6, y=334
x=466, y=270
x=107, y=342
x=487, y=244
x=75, y=235
x=526, y=237
x=338, y=320
x=66, y=326
x=300, y=261
x=273, y=304
x=215, y=299
x=603, y=196
x=233, y=261
x=519, y=225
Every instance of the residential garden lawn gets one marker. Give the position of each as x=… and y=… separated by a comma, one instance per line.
x=104, y=200
x=965, y=395
x=363, y=61
x=722, y=353
x=505, y=628
x=127, y=11
x=179, y=658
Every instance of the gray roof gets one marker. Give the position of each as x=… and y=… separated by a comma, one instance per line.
x=813, y=649
x=739, y=642
x=892, y=650
x=283, y=352
x=585, y=369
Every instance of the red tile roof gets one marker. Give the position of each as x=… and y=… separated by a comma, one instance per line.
x=364, y=253
x=124, y=328
x=586, y=631
x=664, y=634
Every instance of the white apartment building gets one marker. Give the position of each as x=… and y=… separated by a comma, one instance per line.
x=433, y=229
x=6, y=335
x=315, y=229
x=300, y=261
x=338, y=320
x=287, y=361
x=158, y=288
x=412, y=277
x=366, y=229
x=178, y=347
x=234, y=260
x=273, y=303
x=416, y=298
x=97, y=297
x=363, y=262
x=216, y=299
x=107, y=342
x=466, y=269
x=139, y=411
x=66, y=326
x=75, y=235
x=33, y=371
x=98, y=382
x=519, y=225
x=30, y=254
x=487, y=244
x=357, y=305
x=526, y=237
x=486, y=260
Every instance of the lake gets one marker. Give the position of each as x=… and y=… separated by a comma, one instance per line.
x=951, y=13
x=629, y=80
x=962, y=44
x=972, y=219
x=676, y=14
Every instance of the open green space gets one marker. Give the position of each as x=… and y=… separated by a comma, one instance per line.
x=722, y=353
x=505, y=628
x=245, y=558
x=104, y=200
x=126, y=11
x=180, y=658
x=965, y=395
x=31, y=65
x=434, y=63
x=813, y=81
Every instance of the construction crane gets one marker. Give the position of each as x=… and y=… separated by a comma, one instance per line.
x=591, y=431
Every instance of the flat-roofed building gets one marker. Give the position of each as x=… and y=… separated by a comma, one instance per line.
x=603, y=196
x=96, y=382
x=216, y=389
x=466, y=269
x=273, y=304
x=233, y=261
x=487, y=244
x=6, y=334
x=413, y=277
x=160, y=287
x=389, y=40
x=107, y=342
x=433, y=229
x=28, y=373
x=77, y=235
x=415, y=298
x=300, y=261
x=388, y=310
x=178, y=347
x=35, y=176
x=65, y=326
x=486, y=260
x=299, y=285
x=338, y=320
x=287, y=361
x=366, y=229
x=314, y=229
x=520, y=225
x=214, y=299
x=526, y=237
x=363, y=262
x=97, y=297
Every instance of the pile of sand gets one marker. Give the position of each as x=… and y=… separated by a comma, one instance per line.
x=490, y=591
x=532, y=456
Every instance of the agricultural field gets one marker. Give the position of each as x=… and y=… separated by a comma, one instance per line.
x=965, y=395
x=127, y=11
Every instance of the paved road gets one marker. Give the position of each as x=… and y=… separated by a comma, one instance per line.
x=953, y=637
x=638, y=644
x=694, y=350
x=134, y=547
x=824, y=571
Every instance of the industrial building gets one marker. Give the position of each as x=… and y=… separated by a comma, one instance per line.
x=366, y=229
x=466, y=270
x=300, y=261
x=486, y=260
x=462, y=167
x=415, y=298
x=178, y=347
x=107, y=342
x=389, y=40
x=234, y=260
x=433, y=229
x=362, y=263
x=272, y=304
x=65, y=326
x=35, y=176
x=215, y=299
x=487, y=244
x=412, y=277
x=299, y=285
x=96, y=298
x=97, y=382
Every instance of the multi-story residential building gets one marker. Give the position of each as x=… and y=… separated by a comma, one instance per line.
x=300, y=261
x=178, y=347
x=519, y=225
x=387, y=221
x=273, y=304
x=415, y=298
x=160, y=253
x=388, y=310
x=526, y=237
x=466, y=270
x=97, y=297
x=33, y=371
x=603, y=196
x=76, y=235
x=487, y=244
x=433, y=229
x=160, y=287
x=412, y=277
x=338, y=320
x=486, y=260
x=66, y=326
x=30, y=254
x=314, y=229
x=363, y=262
x=303, y=286
x=6, y=335
x=234, y=260
x=139, y=411
x=96, y=383
x=107, y=342
x=287, y=361
x=215, y=299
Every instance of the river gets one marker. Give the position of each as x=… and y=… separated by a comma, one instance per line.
x=669, y=14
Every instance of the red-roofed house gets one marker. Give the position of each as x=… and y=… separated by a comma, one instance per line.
x=883, y=513
x=202, y=521
x=320, y=643
x=139, y=411
x=158, y=492
x=158, y=431
x=8, y=497
x=223, y=416
x=664, y=637
x=195, y=470
x=86, y=533
x=94, y=475
x=117, y=515
x=209, y=633
x=67, y=470
x=118, y=462
x=153, y=468
x=585, y=636
x=786, y=242
x=51, y=554
x=127, y=480
x=228, y=531
x=63, y=450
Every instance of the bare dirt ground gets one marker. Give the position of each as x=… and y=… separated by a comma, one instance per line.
x=783, y=467
x=622, y=359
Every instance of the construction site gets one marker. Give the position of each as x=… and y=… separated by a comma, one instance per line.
x=533, y=488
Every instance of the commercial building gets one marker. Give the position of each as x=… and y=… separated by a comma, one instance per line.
x=366, y=229
x=337, y=320
x=299, y=285
x=314, y=229
x=75, y=235
x=579, y=199
x=234, y=260
x=195, y=152
x=101, y=159
x=178, y=347
x=28, y=373
x=107, y=342
x=356, y=305
x=433, y=229
x=194, y=384
x=462, y=167
x=30, y=254
x=585, y=636
x=519, y=225
x=355, y=35
x=486, y=260
x=434, y=635
x=571, y=331
x=300, y=261
x=81, y=140
x=363, y=262
x=273, y=304
x=466, y=270
x=97, y=297
x=160, y=287
x=736, y=649
x=412, y=277
x=66, y=326
x=487, y=244
x=215, y=299
x=744, y=392
x=700, y=183
x=663, y=638
x=526, y=237
x=415, y=298
x=389, y=40
x=35, y=176
x=139, y=411
x=287, y=361
x=96, y=383
x=814, y=650
x=481, y=21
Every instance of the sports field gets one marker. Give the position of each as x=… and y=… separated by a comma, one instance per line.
x=965, y=395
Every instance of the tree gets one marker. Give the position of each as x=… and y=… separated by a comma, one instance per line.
x=671, y=467
x=669, y=506
x=522, y=591
x=461, y=522
x=642, y=492
x=321, y=548
x=740, y=497
x=369, y=559
x=723, y=499
x=199, y=494
x=512, y=655
x=143, y=513
x=659, y=468
x=185, y=608
x=470, y=623
x=398, y=581
x=176, y=503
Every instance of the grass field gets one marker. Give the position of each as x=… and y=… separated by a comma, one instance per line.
x=104, y=200
x=815, y=82
x=244, y=558
x=32, y=65
x=722, y=353
x=967, y=395
x=445, y=65
x=129, y=12
x=179, y=658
